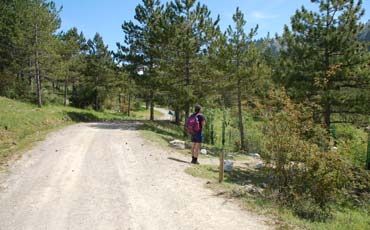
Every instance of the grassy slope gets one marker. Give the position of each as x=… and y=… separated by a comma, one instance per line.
x=22, y=123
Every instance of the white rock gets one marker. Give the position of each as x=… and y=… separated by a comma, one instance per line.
x=178, y=144
x=260, y=165
x=203, y=151
x=228, y=166
x=230, y=155
x=255, y=155
x=252, y=189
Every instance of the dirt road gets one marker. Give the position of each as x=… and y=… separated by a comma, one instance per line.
x=165, y=114
x=106, y=176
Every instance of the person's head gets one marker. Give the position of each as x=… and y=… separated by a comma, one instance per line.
x=197, y=108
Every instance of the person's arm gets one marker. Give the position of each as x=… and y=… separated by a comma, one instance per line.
x=204, y=122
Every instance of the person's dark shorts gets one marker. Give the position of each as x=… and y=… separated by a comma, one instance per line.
x=197, y=138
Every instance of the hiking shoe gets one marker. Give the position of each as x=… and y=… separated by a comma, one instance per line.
x=196, y=162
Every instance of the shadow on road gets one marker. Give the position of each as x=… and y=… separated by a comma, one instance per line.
x=82, y=116
x=178, y=160
x=122, y=125
x=165, y=130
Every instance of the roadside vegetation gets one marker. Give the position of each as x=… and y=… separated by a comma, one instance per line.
x=246, y=186
x=342, y=192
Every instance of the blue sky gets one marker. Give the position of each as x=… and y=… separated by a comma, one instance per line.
x=107, y=16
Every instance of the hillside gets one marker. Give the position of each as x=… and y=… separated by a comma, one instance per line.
x=365, y=34
x=23, y=123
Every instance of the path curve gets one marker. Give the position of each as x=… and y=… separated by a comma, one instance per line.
x=165, y=113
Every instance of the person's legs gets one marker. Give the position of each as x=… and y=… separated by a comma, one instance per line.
x=193, y=152
x=196, y=150
x=196, y=153
x=196, y=140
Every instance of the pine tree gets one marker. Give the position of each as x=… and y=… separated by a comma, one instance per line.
x=241, y=65
x=190, y=30
x=99, y=74
x=142, y=53
x=45, y=21
x=28, y=45
x=325, y=63
x=8, y=15
x=70, y=51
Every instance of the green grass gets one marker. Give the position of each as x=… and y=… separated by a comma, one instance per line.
x=21, y=124
x=343, y=219
x=253, y=127
x=162, y=132
x=145, y=114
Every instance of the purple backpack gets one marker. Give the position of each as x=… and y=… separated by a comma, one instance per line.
x=192, y=125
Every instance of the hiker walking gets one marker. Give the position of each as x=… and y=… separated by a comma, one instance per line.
x=194, y=126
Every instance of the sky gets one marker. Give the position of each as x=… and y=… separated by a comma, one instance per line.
x=107, y=16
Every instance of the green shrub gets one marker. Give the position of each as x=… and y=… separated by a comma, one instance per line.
x=137, y=106
x=352, y=143
x=305, y=207
x=51, y=98
x=358, y=191
x=308, y=178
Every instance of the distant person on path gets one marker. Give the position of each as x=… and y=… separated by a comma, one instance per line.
x=197, y=136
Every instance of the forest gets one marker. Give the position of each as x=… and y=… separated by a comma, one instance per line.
x=301, y=99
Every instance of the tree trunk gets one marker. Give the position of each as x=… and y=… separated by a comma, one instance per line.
x=243, y=145
x=129, y=105
x=368, y=151
x=96, y=100
x=187, y=110
x=37, y=70
x=187, y=78
x=30, y=82
x=327, y=105
x=177, y=117
x=327, y=113
x=65, y=90
x=97, y=106
x=73, y=88
x=151, y=105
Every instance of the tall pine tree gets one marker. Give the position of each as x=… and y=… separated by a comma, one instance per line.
x=142, y=53
x=238, y=61
x=325, y=63
x=44, y=21
x=190, y=31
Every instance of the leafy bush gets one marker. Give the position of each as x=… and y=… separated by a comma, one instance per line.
x=306, y=208
x=352, y=143
x=358, y=191
x=50, y=98
x=308, y=177
x=137, y=106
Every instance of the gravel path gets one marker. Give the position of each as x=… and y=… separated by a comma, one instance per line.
x=107, y=176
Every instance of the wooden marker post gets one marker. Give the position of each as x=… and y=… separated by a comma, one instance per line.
x=221, y=172
x=368, y=149
x=221, y=168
